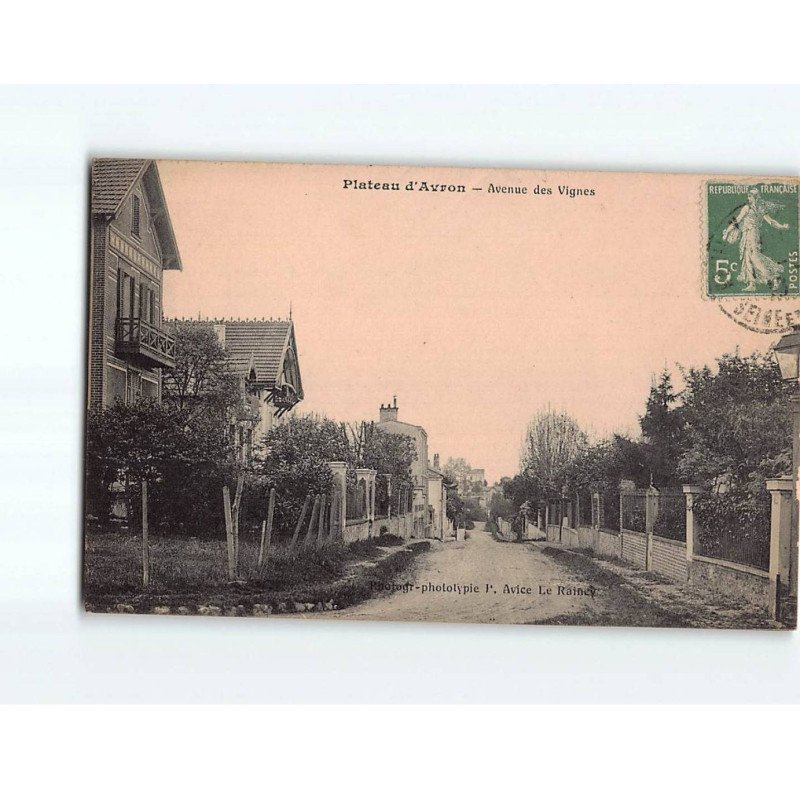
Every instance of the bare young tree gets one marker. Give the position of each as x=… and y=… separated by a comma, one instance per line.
x=552, y=442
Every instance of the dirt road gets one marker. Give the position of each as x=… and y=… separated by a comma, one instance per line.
x=485, y=580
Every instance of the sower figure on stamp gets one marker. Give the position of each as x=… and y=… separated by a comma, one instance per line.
x=756, y=267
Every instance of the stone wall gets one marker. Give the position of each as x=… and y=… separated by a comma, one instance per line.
x=356, y=529
x=733, y=580
x=398, y=525
x=634, y=548
x=570, y=538
x=607, y=544
x=668, y=558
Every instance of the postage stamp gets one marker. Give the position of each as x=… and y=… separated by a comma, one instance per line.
x=753, y=252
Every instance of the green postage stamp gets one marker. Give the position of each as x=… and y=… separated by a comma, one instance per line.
x=752, y=239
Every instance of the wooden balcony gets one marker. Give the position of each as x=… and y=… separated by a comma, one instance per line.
x=144, y=344
x=283, y=398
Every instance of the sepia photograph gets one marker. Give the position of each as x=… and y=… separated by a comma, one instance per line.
x=421, y=390
x=442, y=395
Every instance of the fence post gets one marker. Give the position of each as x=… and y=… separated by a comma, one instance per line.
x=321, y=521
x=691, y=493
x=226, y=501
x=650, y=515
x=339, y=470
x=145, y=539
x=311, y=533
x=779, y=540
x=237, y=505
x=266, y=529
x=299, y=523
x=373, y=483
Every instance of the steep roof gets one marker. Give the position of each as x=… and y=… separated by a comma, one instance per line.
x=113, y=180
x=262, y=346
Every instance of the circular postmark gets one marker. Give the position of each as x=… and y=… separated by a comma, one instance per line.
x=752, y=264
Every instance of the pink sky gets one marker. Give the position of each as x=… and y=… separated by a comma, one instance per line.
x=475, y=309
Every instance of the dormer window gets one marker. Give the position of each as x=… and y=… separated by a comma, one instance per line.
x=136, y=216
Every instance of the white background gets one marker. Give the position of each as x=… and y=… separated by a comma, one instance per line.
x=51, y=651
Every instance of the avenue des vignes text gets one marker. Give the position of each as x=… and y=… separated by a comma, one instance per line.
x=460, y=188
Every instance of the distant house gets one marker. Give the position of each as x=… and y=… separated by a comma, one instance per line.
x=131, y=244
x=472, y=485
x=263, y=354
x=437, y=500
x=389, y=422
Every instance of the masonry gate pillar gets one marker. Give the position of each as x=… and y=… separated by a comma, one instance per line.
x=364, y=483
x=691, y=493
x=338, y=498
x=372, y=483
x=650, y=516
x=780, y=541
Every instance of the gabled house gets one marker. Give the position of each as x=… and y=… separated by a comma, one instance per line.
x=263, y=355
x=131, y=244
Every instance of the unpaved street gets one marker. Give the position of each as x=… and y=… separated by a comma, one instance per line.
x=485, y=580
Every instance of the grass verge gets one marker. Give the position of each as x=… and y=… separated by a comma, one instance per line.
x=189, y=576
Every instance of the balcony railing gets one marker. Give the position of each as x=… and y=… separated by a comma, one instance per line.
x=144, y=343
x=283, y=398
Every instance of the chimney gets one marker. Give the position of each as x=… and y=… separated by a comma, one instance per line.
x=389, y=412
x=436, y=461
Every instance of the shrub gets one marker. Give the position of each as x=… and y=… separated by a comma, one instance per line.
x=734, y=526
x=185, y=458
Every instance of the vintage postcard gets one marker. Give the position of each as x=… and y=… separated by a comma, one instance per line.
x=450, y=395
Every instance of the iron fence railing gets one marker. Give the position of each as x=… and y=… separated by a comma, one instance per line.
x=670, y=517
x=584, y=501
x=734, y=531
x=752, y=551
x=634, y=511
x=608, y=511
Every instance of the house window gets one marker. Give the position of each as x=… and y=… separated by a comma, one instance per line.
x=147, y=304
x=134, y=386
x=136, y=216
x=126, y=295
x=248, y=446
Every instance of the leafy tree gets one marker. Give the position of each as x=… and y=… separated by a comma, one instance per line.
x=663, y=429
x=552, y=443
x=181, y=446
x=296, y=455
x=295, y=461
x=601, y=467
x=388, y=454
x=738, y=423
x=202, y=380
x=522, y=488
x=502, y=505
x=185, y=458
x=456, y=469
x=739, y=435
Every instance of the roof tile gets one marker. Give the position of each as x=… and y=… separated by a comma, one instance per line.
x=112, y=179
